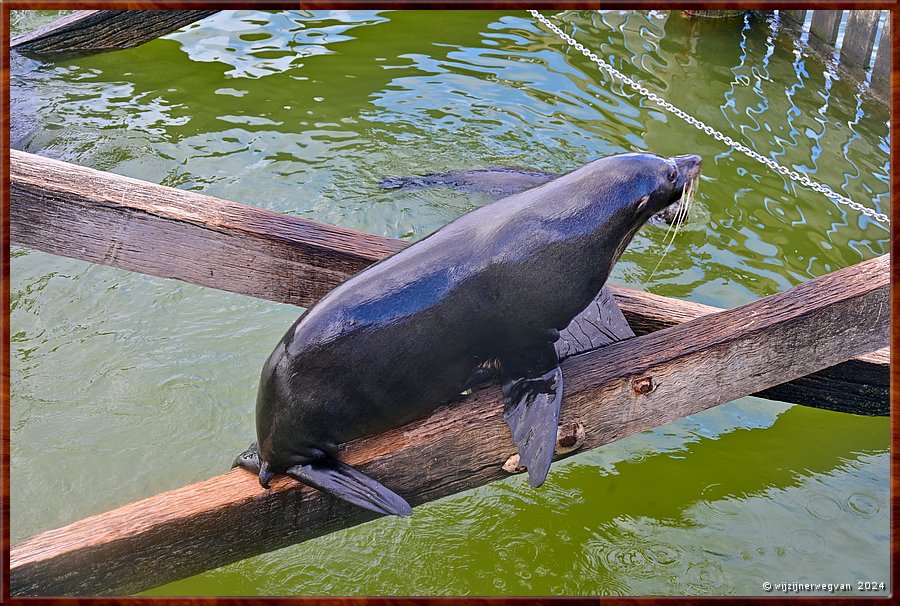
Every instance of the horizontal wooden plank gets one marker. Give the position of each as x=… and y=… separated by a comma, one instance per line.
x=690, y=367
x=104, y=218
x=100, y=217
x=95, y=31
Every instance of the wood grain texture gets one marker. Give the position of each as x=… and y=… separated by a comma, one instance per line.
x=824, y=26
x=104, y=218
x=100, y=217
x=693, y=366
x=881, y=68
x=96, y=31
x=859, y=386
x=859, y=37
x=794, y=19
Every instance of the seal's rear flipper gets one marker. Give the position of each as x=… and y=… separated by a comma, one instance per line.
x=497, y=181
x=532, y=413
x=339, y=479
x=600, y=324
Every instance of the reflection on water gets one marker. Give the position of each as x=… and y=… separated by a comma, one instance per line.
x=126, y=385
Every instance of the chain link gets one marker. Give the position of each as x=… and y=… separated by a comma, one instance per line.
x=637, y=86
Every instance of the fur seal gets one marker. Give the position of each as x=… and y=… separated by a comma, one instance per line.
x=486, y=297
x=499, y=182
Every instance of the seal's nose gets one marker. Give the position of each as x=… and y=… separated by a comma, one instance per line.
x=688, y=167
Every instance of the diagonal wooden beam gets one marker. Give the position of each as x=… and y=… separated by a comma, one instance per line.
x=860, y=385
x=712, y=359
x=105, y=218
x=97, y=31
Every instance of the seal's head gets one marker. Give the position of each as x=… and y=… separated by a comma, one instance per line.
x=673, y=188
x=620, y=193
x=667, y=181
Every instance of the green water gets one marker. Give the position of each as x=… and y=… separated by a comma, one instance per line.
x=124, y=385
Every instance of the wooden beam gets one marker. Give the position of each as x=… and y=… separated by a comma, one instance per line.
x=97, y=31
x=104, y=218
x=690, y=367
x=859, y=386
x=100, y=217
x=859, y=38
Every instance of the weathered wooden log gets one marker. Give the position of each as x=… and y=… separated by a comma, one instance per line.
x=104, y=218
x=706, y=361
x=100, y=217
x=859, y=38
x=859, y=386
x=96, y=31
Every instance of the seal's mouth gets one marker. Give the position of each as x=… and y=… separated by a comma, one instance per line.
x=688, y=177
x=686, y=181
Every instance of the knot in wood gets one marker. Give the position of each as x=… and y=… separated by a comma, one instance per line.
x=643, y=385
x=569, y=437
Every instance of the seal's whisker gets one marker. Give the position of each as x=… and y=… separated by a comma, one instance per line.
x=673, y=230
x=687, y=199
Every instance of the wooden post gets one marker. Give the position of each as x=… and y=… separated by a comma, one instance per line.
x=691, y=367
x=881, y=69
x=824, y=26
x=793, y=19
x=100, y=217
x=96, y=31
x=859, y=38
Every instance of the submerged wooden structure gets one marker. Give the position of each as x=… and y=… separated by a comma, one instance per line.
x=797, y=346
x=858, y=42
x=856, y=49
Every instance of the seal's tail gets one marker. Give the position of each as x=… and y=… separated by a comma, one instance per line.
x=339, y=479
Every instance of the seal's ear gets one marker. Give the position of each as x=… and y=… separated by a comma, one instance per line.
x=642, y=203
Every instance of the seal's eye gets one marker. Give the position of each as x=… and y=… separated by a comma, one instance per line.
x=671, y=176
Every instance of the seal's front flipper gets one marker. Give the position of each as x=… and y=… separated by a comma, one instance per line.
x=339, y=479
x=532, y=413
x=599, y=324
x=249, y=459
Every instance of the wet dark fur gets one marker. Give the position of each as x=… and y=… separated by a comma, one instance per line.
x=404, y=336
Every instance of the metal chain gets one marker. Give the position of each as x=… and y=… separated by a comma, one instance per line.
x=637, y=86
